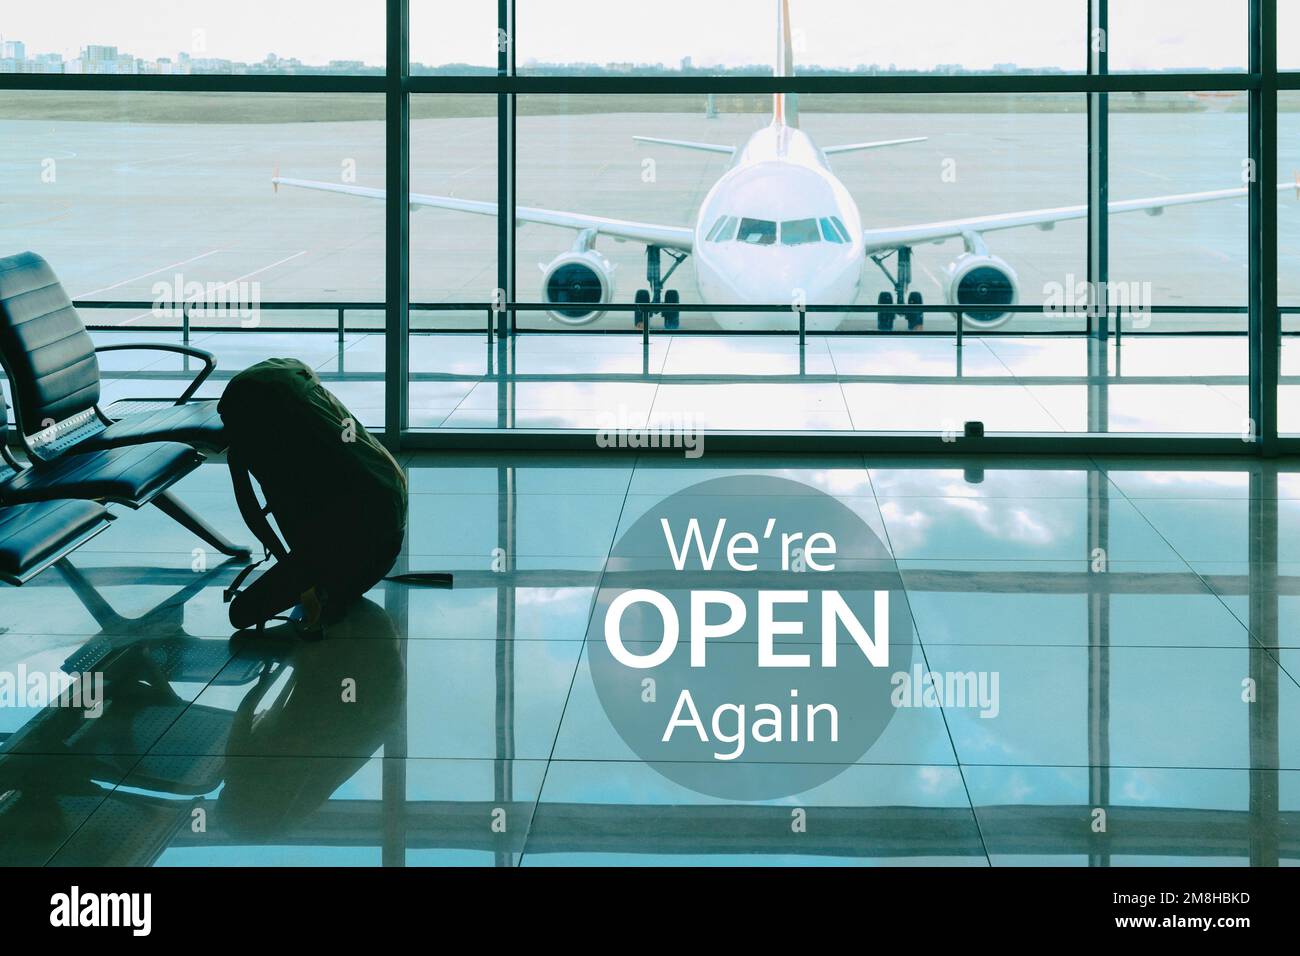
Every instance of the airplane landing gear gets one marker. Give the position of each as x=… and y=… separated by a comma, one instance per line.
x=901, y=296
x=656, y=294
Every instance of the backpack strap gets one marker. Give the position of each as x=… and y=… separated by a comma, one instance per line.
x=251, y=510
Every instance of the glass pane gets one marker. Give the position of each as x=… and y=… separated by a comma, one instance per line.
x=194, y=36
x=153, y=200
x=453, y=259
x=593, y=37
x=453, y=37
x=798, y=232
x=1187, y=146
x=1184, y=35
x=1192, y=251
x=1288, y=259
x=637, y=161
x=1288, y=35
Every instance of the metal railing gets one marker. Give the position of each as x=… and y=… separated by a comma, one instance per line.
x=492, y=318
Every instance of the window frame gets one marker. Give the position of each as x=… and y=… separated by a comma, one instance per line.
x=1261, y=82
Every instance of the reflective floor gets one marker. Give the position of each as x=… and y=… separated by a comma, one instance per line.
x=1140, y=616
x=1175, y=384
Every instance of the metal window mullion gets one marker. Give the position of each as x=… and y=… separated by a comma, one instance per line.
x=505, y=318
x=397, y=231
x=1097, y=392
x=1265, y=322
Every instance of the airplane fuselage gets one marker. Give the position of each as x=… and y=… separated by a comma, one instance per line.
x=796, y=235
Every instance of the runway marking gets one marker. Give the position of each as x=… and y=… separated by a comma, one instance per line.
x=249, y=275
x=226, y=285
x=131, y=165
x=145, y=275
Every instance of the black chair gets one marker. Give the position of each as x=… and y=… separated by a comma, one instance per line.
x=34, y=536
x=135, y=476
x=52, y=367
x=75, y=449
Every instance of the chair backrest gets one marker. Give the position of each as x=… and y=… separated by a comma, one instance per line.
x=7, y=468
x=53, y=372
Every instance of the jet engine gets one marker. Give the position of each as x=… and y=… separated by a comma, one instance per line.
x=576, y=283
x=982, y=279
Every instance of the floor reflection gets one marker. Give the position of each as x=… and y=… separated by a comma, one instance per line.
x=1137, y=613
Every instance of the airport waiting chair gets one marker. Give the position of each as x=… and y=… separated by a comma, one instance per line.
x=134, y=475
x=75, y=449
x=34, y=536
x=54, y=373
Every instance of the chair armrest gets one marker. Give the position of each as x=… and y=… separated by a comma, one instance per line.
x=209, y=360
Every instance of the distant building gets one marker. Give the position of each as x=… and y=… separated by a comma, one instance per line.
x=687, y=64
x=46, y=63
x=103, y=61
x=13, y=50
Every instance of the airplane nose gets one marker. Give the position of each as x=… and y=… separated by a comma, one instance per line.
x=759, y=279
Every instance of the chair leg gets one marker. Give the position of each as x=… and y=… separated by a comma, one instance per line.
x=169, y=505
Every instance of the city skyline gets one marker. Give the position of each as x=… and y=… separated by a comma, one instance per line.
x=917, y=37
x=107, y=59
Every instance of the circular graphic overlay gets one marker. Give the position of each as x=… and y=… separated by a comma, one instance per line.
x=745, y=635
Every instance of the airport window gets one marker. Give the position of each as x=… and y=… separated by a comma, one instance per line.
x=1178, y=35
x=999, y=36
x=958, y=161
x=453, y=38
x=194, y=38
x=1288, y=36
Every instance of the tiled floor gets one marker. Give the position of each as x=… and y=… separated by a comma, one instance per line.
x=1040, y=384
x=1138, y=616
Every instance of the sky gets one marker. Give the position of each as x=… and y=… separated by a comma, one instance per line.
x=912, y=34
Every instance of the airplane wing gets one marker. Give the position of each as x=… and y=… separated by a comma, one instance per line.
x=878, y=144
x=688, y=144
x=882, y=240
x=681, y=238
x=731, y=150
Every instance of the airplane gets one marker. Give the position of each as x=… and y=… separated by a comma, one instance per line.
x=778, y=227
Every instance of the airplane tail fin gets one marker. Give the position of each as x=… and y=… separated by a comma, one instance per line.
x=785, y=106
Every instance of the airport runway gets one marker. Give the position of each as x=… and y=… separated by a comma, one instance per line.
x=119, y=206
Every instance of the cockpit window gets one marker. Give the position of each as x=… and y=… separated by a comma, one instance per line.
x=758, y=232
x=830, y=232
x=798, y=232
x=723, y=229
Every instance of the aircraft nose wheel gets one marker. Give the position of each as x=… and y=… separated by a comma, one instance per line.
x=657, y=299
x=885, y=319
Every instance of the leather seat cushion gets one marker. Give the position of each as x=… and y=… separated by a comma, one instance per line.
x=32, y=534
x=196, y=423
x=130, y=475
